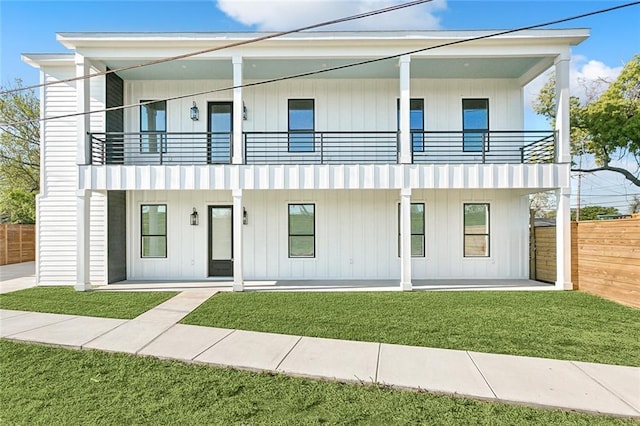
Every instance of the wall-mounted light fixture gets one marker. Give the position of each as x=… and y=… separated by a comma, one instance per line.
x=244, y=111
x=194, y=112
x=245, y=216
x=194, y=217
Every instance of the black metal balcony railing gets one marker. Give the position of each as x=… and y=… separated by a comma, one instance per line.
x=430, y=147
x=496, y=146
x=304, y=147
x=164, y=148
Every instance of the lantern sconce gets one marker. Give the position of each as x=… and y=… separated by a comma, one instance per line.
x=195, y=113
x=194, y=217
x=245, y=217
x=244, y=111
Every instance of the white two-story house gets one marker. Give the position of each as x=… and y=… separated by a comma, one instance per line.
x=221, y=167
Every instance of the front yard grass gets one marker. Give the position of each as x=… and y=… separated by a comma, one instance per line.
x=65, y=300
x=52, y=386
x=549, y=324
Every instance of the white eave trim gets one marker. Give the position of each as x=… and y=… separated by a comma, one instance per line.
x=38, y=60
x=93, y=39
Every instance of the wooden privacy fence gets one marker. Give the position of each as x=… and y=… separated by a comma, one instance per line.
x=605, y=258
x=17, y=243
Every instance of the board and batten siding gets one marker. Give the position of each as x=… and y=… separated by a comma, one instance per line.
x=356, y=235
x=57, y=213
x=340, y=104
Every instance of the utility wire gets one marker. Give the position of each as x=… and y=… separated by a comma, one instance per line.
x=340, y=67
x=236, y=44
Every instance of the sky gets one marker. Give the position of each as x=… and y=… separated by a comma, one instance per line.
x=30, y=26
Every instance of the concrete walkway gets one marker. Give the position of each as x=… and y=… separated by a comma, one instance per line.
x=17, y=276
x=532, y=381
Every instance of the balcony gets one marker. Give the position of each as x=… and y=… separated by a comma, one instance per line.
x=331, y=147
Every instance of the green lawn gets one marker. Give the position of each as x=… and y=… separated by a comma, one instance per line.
x=52, y=386
x=65, y=300
x=564, y=325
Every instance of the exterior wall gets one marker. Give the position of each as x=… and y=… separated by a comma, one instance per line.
x=56, y=217
x=341, y=104
x=356, y=235
x=56, y=239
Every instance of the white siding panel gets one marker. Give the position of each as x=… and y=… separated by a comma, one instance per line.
x=57, y=203
x=356, y=235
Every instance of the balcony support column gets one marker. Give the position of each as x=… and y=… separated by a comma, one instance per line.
x=238, y=279
x=405, y=239
x=83, y=208
x=405, y=109
x=83, y=97
x=237, y=110
x=563, y=154
x=563, y=240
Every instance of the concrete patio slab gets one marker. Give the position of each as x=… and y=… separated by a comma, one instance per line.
x=622, y=381
x=248, y=349
x=32, y=320
x=332, y=358
x=184, y=342
x=7, y=313
x=75, y=332
x=438, y=370
x=548, y=382
x=130, y=337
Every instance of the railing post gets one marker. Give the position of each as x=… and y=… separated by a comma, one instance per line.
x=522, y=155
x=484, y=137
x=161, y=148
x=321, y=148
x=244, y=145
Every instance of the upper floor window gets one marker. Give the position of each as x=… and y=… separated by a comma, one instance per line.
x=301, y=125
x=476, y=230
x=153, y=126
x=475, y=124
x=416, y=123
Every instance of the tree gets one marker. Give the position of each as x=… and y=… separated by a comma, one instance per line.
x=542, y=204
x=607, y=126
x=592, y=212
x=19, y=154
x=634, y=205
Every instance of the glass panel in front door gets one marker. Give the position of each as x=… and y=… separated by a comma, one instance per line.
x=221, y=233
x=220, y=128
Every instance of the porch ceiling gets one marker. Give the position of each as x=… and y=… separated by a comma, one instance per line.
x=263, y=69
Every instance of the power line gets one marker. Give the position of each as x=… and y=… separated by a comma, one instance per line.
x=340, y=67
x=236, y=44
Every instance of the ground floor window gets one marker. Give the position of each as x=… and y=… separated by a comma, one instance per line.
x=476, y=230
x=302, y=230
x=417, y=230
x=153, y=230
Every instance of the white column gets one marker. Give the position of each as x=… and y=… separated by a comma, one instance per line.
x=405, y=110
x=238, y=281
x=237, y=110
x=563, y=240
x=405, y=239
x=562, y=108
x=83, y=96
x=83, y=206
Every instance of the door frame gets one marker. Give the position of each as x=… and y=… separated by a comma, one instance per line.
x=210, y=239
x=209, y=131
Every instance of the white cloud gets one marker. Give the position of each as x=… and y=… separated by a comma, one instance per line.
x=279, y=15
x=588, y=78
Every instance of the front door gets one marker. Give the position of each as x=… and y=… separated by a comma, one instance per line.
x=220, y=241
x=220, y=127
